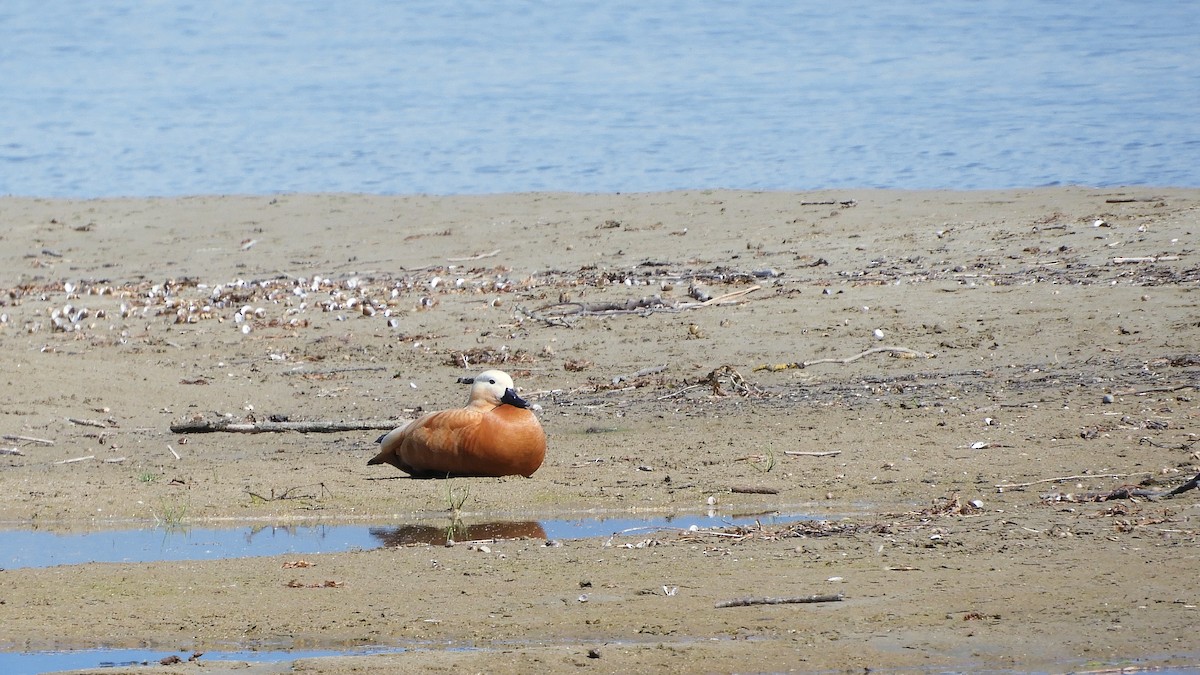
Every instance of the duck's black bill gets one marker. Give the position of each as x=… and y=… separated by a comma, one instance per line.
x=510, y=397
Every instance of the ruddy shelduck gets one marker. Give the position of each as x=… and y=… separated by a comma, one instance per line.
x=494, y=435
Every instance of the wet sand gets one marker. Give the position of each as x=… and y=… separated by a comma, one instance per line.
x=688, y=351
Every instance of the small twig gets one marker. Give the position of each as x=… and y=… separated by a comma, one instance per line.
x=665, y=528
x=746, y=602
x=333, y=371
x=319, y=426
x=478, y=256
x=75, y=459
x=799, y=453
x=26, y=439
x=1009, y=486
x=727, y=297
x=287, y=494
x=173, y=452
x=844, y=203
x=645, y=306
x=679, y=392
x=901, y=351
x=652, y=370
x=753, y=490
x=11, y=451
x=1145, y=259
x=1156, y=390
x=87, y=423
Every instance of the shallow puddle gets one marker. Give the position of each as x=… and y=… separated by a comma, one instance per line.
x=46, y=548
x=30, y=663
x=34, y=663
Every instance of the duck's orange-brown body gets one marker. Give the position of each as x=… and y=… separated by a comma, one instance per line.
x=494, y=435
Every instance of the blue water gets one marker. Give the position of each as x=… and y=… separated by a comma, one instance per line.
x=43, y=548
x=125, y=97
x=31, y=663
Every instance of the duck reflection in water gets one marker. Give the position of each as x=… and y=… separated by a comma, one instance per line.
x=456, y=530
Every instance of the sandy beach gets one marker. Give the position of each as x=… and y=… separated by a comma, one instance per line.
x=982, y=396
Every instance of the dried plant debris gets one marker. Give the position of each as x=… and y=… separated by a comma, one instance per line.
x=953, y=505
x=470, y=358
x=99, y=307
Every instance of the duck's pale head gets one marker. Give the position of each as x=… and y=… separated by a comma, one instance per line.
x=494, y=387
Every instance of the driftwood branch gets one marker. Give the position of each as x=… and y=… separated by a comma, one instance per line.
x=1190, y=485
x=1145, y=259
x=87, y=423
x=478, y=256
x=317, y=426
x=26, y=439
x=800, y=453
x=1013, y=486
x=1155, y=390
x=1119, y=492
x=753, y=490
x=652, y=370
x=555, y=313
x=334, y=371
x=844, y=203
x=901, y=352
x=746, y=602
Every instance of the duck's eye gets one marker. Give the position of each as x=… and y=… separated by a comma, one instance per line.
x=491, y=382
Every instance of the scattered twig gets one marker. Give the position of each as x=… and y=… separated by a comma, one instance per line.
x=649, y=302
x=1190, y=485
x=478, y=256
x=75, y=459
x=844, y=203
x=753, y=490
x=317, y=426
x=652, y=370
x=902, y=352
x=87, y=423
x=800, y=453
x=1145, y=259
x=722, y=299
x=26, y=439
x=288, y=493
x=680, y=392
x=334, y=371
x=11, y=451
x=1011, y=486
x=1123, y=492
x=1155, y=390
x=173, y=452
x=736, y=380
x=556, y=313
x=665, y=528
x=746, y=602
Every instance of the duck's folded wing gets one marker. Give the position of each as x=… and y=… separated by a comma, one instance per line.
x=437, y=444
